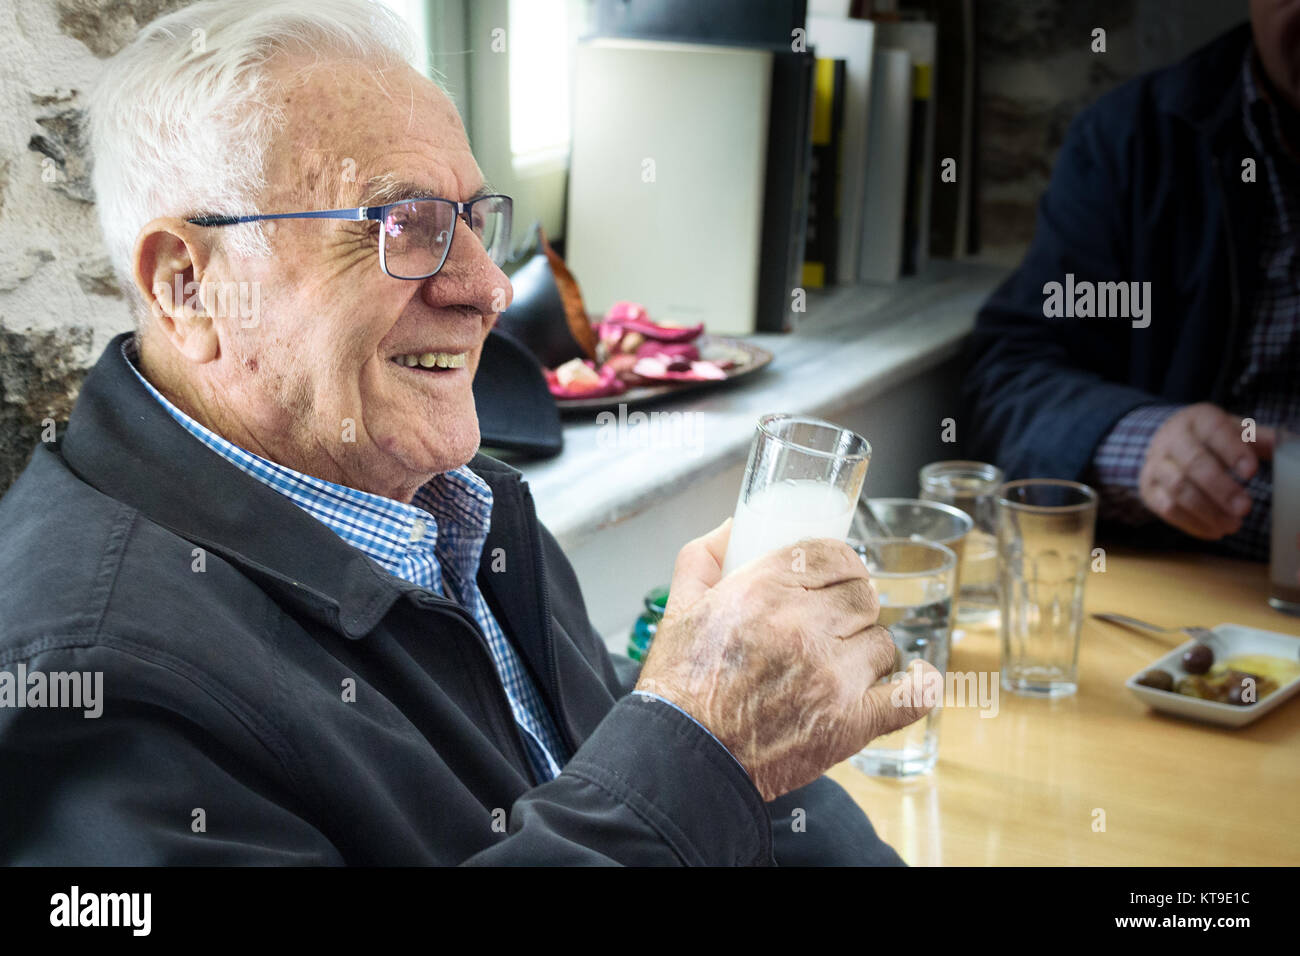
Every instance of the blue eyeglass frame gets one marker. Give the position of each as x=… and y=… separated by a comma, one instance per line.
x=378, y=214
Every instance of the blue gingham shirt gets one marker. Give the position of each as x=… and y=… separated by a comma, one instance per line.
x=435, y=542
x=1265, y=383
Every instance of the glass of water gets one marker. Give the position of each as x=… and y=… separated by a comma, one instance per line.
x=917, y=581
x=803, y=480
x=971, y=486
x=1284, y=563
x=1045, y=531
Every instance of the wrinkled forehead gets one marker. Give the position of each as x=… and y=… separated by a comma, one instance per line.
x=351, y=129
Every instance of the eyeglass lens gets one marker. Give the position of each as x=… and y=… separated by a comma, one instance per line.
x=417, y=234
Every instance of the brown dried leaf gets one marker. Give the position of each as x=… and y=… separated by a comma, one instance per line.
x=576, y=313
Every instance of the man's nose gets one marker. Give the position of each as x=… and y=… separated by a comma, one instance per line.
x=469, y=277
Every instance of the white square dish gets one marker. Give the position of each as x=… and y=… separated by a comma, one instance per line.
x=1229, y=640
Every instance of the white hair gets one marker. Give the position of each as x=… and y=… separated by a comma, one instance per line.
x=182, y=116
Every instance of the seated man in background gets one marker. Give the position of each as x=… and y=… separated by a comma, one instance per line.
x=1174, y=198
x=325, y=628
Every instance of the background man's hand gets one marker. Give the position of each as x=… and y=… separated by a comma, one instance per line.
x=1188, y=478
x=780, y=660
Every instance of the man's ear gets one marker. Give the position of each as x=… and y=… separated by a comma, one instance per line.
x=170, y=259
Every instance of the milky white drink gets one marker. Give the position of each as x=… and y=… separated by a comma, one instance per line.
x=785, y=512
x=1285, y=592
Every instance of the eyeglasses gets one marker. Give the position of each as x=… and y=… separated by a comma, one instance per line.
x=415, y=234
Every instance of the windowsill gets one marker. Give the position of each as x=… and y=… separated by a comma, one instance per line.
x=854, y=343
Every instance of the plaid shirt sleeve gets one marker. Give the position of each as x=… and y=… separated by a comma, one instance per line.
x=1117, y=463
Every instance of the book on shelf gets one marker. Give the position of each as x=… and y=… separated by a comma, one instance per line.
x=952, y=187
x=918, y=38
x=852, y=41
x=885, y=206
x=765, y=23
x=786, y=191
x=823, y=232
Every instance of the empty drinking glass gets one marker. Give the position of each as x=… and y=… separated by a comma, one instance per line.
x=1045, y=528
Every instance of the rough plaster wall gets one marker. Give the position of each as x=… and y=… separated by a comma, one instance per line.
x=59, y=302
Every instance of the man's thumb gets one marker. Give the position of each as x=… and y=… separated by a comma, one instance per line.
x=698, y=567
x=900, y=702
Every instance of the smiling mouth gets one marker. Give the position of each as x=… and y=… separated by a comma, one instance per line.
x=432, y=361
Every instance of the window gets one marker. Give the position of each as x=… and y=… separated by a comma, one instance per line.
x=538, y=48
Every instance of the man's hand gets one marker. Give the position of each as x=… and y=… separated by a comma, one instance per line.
x=781, y=660
x=1187, y=477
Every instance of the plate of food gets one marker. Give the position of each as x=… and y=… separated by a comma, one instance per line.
x=1232, y=678
x=638, y=360
x=626, y=356
x=736, y=358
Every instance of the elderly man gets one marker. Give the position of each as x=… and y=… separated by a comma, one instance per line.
x=328, y=630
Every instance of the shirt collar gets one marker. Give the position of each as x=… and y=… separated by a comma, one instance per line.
x=449, y=516
x=1260, y=113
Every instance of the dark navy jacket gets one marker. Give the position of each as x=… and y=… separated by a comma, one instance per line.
x=1147, y=187
x=224, y=687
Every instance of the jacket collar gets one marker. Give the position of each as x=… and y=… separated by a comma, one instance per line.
x=1205, y=89
x=123, y=443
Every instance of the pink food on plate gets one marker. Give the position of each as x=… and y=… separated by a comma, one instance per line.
x=622, y=364
x=673, y=350
x=579, y=378
x=666, y=369
x=626, y=311
x=631, y=317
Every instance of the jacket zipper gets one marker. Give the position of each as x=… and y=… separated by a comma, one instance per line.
x=455, y=610
x=548, y=638
x=548, y=644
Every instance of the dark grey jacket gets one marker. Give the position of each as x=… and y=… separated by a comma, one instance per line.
x=226, y=735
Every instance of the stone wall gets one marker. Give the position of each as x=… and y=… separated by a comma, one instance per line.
x=59, y=304
x=1037, y=70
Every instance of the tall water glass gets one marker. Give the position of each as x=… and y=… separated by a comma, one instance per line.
x=971, y=486
x=1045, y=532
x=916, y=581
x=1284, y=588
x=802, y=480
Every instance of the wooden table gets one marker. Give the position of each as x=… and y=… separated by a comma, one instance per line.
x=1021, y=788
